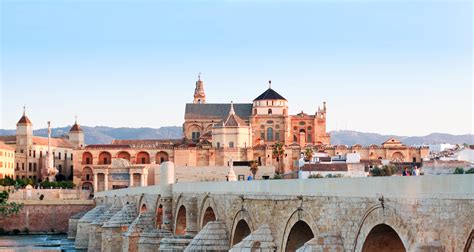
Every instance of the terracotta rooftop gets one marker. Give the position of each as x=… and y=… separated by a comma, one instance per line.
x=76, y=128
x=4, y=146
x=8, y=138
x=57, y=142
x=24, y=120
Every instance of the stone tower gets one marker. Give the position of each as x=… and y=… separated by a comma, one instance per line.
x=199, y=95
x=24, y=133
x=76, y=135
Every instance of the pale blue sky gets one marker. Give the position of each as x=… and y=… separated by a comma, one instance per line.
x=398, y=67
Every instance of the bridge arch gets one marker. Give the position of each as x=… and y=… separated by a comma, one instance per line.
x=382, y=236
x=299, y=229
x=387, y=222
x=242, y=226
x=468, y=247
x=207, y=211
x=179, y=226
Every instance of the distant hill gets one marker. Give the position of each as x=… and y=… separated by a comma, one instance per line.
x=349, y=137
x=104, y=135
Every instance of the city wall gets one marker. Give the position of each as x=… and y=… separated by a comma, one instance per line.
x=50, y=214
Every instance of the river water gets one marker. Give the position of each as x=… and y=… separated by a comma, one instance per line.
x=36, y=243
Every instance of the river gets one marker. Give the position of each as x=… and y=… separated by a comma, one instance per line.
x=36, y=243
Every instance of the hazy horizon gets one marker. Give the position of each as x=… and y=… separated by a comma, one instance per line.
x=387, y=67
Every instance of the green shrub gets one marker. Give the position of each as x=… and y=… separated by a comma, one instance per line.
x=314, y=176
x=16, y=231
x=459, y=170
x=386, y=170
x=470, y=171
x=277, y=176
x=26, y=230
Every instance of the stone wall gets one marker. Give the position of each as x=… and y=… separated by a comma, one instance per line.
x=45, y=216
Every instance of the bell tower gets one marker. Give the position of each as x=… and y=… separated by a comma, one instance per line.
x=199, y=95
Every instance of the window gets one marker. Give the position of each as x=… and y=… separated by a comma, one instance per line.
x=269, y=122
x=270, y=134
x=218, y=145
x=106, y=160
x=277, y=136
x=60, y=168
x=231, y=144
x=59, y=155
x=262, y=136
x=29, y=153
x=414, y=159
x=30, y=166
x=309, y=138
x=143, y=160
x=41, y=154
x=71, y=156
x=23, y=166
x=195, y=135
x=34, y=166
x=295, y=138
x=88, y=160
x=302, y=123
x=34, y=153
x=270, y=111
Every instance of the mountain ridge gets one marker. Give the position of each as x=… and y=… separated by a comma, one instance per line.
x=105, y=135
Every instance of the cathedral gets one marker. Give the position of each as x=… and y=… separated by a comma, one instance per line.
x=265, y=121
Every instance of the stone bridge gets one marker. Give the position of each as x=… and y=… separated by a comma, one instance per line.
x=426, y=213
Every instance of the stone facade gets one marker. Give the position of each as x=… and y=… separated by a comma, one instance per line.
x=7, y=161
x=31, y=151
x=425, y=213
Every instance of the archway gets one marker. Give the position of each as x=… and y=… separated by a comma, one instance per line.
x=209, y=215
x=105, y=158
x=86, y=158
x=383, y=238
x=397, y=157
x=300, y=234
x=143, y=209
x=242, y=230
x=124, y=155
x=180, y=226
x=161, y=157
x=87, y=186
x=159, y=216
x=143, y=158
x=87, y=174
x=468, y=247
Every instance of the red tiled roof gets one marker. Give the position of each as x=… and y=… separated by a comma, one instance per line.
x=57, y=142
x=6, y=147
x=8, y=138
x=24, y=119
x=76, y=128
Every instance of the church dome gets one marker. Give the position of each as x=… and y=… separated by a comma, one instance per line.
x=269, y=94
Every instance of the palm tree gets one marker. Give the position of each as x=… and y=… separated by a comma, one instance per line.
x=278, y=152
x=254, y=167
x=308, y=154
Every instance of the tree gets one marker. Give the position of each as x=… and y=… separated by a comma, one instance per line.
x=459, y=170
x=278, y=152
x=8, y=208
x=254, y=167
x=308, y=154
x=470, y=171
x=386, y=170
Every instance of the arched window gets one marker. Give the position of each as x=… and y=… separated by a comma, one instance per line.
x=255, y=111
x=270, y=134
x=231, y=144
x=269, y=111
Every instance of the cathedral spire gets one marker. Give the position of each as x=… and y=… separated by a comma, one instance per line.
x=199, y=94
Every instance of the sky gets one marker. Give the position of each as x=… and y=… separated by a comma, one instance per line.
x=391, y=67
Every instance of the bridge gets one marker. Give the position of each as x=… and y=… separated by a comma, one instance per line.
x=425, y=213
